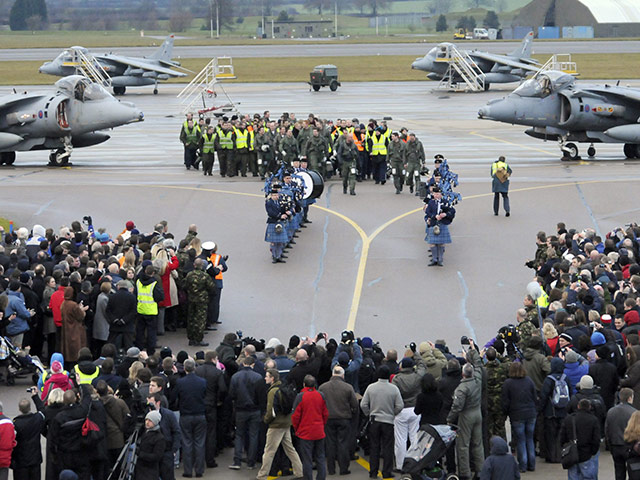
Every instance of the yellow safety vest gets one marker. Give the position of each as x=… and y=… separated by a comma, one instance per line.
x=241, y=138
x=192, y=135
x=226, y=140
x=543, y=299
x=83, y=378
x=378, y=147
x=208, y=145
x=387, y=133
x=186, y=125
x=146, y=304
x=498, y=165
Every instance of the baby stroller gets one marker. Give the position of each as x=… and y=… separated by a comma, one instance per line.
x=424, y=458
x=18, y=364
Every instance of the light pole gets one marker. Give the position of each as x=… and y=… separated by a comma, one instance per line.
x=262, y=11
x=217, y=18
x=335, y=20
x=211, y=18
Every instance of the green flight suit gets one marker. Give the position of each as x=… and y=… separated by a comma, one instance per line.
x=347, y=156
x=316, y=149
x=396, y=158
x=415, y=158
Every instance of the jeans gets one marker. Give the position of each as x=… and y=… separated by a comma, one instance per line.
x=587, y=470
x=496, y=201
x=194, y=431
x=247, y=423
x=523, y=435
x=311, y=450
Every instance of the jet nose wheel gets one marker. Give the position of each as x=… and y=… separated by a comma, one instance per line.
x=59, y=158
x=591, y=151
x=631, y=150
x=570, y=151
x=155, y=91
x=7, y=158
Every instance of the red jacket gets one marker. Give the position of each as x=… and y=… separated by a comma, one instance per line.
x=56, y=380
x=54, y=305
x=310, y=414
x=7, y=440
x=166, y=282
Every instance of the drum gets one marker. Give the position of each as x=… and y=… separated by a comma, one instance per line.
x=313, y=184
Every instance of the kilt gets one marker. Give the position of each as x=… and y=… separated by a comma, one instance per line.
x=272, y=236
x=444, y=236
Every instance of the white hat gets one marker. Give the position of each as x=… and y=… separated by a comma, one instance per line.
x=209, y=246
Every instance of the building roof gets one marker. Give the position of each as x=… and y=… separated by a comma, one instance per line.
x=614, y=11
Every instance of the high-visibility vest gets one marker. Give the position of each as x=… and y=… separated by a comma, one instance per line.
x=226, y=140
x=358, y=141
x=336, y=133
x=146, y=304
x=45, y=375
x=186, y=125
x=543, y=299
x=83, y=378
x=241, y=138
x=378, y=147
x=192, y=135
x=498, y=165
x=215, y=260
x=208, y=145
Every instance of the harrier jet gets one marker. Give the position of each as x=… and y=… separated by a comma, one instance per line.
x=61, y=120
x=556, y=108
x=124, y=71
x=496, y=68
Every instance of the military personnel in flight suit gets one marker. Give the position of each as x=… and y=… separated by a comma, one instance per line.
x=288, y=147
x=199, y=285
x=316, y=149
x=497, y=372
x=415, y=158
x=207, y=147
x=190, y=138
x=396, y=158
x=225, y=143
x=347, y=157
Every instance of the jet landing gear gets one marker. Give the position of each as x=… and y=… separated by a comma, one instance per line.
x=119, y=90
x=60, y=157
x=155, y=89
x=570, y=151
x=7, y=158
x=631, y=150
x=591, y=151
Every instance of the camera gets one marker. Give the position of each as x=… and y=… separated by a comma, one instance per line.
x=87, y=219
x=411, y=346
x=347, y=337
x=464, y=340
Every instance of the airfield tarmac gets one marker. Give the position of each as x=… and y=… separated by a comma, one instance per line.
x=362, y=263
x=330, y=49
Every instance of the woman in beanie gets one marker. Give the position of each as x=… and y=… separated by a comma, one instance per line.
x=150, y=449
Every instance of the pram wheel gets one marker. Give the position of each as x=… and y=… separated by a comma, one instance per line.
x=452, y=476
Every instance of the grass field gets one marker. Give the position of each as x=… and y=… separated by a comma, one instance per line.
x=352, y=69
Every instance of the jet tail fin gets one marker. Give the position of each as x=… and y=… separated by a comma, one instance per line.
x=524, y=50
x=165, y=51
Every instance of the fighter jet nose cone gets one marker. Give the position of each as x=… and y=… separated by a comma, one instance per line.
x=483, y=112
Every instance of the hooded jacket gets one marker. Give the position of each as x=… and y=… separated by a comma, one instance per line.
x=500, y=465
x=409, y=382
x=7, y=440
x=536, y=365
x=20, y=323
x=546, y=406
x=434, y=360
x=574, y=372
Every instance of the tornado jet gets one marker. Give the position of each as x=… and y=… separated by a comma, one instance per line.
x=557, y=108
x=124, y=71
x=496, y=68
x=61, y=120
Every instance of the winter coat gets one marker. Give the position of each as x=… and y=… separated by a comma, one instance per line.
x=500, y=465
x=597, y=404
x=434, y=360
x=632, y=380
x=310, y=414
x=74, y=335
x=272, y=418
x=546, y=406
x=100, y=321
x=616, y=423
x=117, y=411
x=55, y=303
x=7, y=440
x=587, y=433
x=122, y=305
x=537, y=366
x=574, y=372
x=20, y=323
x=605, y=375
x=429, y=407
x=216, y=386
x=447, y=386
x=28, y=452
x=169, y=284
x=150, y=451
x=409, y=382
x=56, y=380
x=340, y=398
x=519, y=399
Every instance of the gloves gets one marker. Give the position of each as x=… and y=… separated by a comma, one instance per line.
x=284, y=154
x=264, y=148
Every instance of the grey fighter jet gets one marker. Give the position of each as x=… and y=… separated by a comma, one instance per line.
x=61, y=120
x=124, y=71
x=556, y=108
x=496, y=68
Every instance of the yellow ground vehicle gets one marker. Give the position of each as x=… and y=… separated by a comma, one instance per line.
x=460, y=34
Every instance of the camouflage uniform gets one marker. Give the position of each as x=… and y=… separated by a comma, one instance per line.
x=526, y=329
x=541, y=256
x=199, y=285
x=396, y=158
x=497, y=372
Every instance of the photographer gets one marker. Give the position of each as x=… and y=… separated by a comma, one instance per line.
x=349, y=356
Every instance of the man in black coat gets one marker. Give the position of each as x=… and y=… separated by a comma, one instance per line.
x=605, y=375
x=305, y=365
x=150, y=449
x=587, y=432
x=171, y=431
x=617, y=419
x=121, y=314
x=26, y=457
x=216, y=389
x=446, y=386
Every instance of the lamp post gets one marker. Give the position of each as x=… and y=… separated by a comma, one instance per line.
x=335, y=19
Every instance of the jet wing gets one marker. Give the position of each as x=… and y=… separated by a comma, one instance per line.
x=137, y=63
x=622, y=93
x=504, y=60
x=15, y=99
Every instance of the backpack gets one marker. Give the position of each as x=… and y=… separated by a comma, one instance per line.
x=560, y=394
x=284, y=399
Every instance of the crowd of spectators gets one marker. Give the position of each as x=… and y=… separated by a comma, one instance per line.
x=566, y=369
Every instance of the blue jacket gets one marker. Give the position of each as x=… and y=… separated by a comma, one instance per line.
x=432, y=210
x=189, y=395
x=574, y=372
x=351, y=372
x=16, y=305
x=248, y=390
x=284, y=365
x=170, y=429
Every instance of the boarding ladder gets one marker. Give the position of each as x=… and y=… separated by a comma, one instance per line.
x=87, y=66
x=562, y=63
x=195, y=95
x=460, y=66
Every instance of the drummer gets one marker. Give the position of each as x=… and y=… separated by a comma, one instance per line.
x=276, y=233
x=304, y=166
